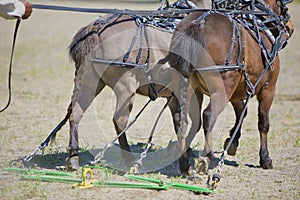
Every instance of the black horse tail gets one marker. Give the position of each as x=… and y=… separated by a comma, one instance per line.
x=61, y=124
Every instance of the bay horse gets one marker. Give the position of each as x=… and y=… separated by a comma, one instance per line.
x=219, y=55
x=115, y=39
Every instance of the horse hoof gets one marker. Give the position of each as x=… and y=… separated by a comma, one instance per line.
x=156, y=147
x=266, y=164
x=192, y=174
x=184, y=165
x=72, y=163
x=186, y=172
x=134, y=169
x=201, y=165
x=189, y=172
x=232, y=148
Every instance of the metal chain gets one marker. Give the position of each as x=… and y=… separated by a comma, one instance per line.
x=212, y=182
x=32, y=155
x=138, y=163
x=100, y=155
x=22, y=162
x=143, y=155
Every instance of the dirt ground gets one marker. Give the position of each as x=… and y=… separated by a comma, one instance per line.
x=42, y=84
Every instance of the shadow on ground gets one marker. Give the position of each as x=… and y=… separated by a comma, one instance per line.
x=160, y=160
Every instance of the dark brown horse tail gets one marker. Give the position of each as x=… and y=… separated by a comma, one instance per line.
x=62, y=123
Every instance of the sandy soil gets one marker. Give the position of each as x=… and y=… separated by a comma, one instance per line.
x=42, y=83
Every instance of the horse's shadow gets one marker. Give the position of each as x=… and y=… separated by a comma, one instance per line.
x=157, y=160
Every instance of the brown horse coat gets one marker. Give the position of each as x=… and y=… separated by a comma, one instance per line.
x=204, y=39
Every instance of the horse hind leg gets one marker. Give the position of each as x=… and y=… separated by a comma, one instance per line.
x=120, y=119
x=265, y=100
x=216, y=105
x=87, y=87
x=238, y=107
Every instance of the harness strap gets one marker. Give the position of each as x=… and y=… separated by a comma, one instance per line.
x=153, y=94
x=255, y=29
x=219, y=68
x=277, y=46
x=142, y=35
x=233, y=38
x=235, y=31
x=201, y=18
x=240, y=42
x=118, y=63
x=10, y=64
x=134, y=39
x=100, y=23
x=162, y=3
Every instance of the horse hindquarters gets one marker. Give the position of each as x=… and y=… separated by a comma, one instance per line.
x=87, y=85
x=97, y=39
x=203, y=48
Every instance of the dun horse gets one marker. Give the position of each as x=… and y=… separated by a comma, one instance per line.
x=222, y=56
x=139, y=49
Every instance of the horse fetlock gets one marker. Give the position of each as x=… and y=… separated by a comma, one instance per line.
x=232, y=148
x=202, y=164
x=73, y=150
x=266, y=163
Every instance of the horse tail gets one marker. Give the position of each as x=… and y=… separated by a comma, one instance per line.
x=62, y=123
x=83, y=43
x=180, y=84
x=88, y=38
x=183, y=57
x=183, y=92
